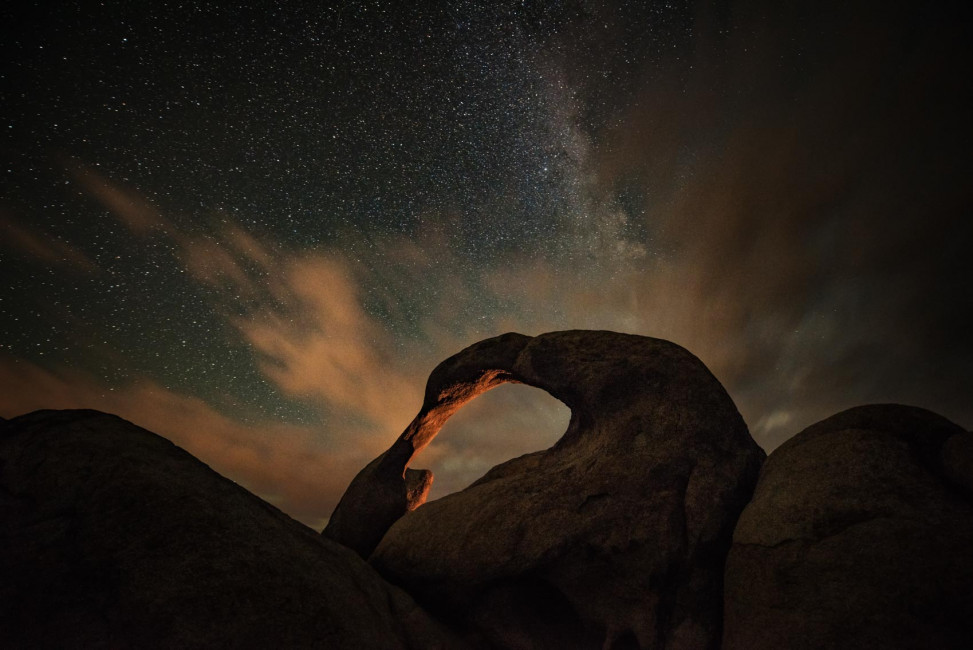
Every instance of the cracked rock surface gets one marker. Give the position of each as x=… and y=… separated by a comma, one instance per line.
x=615, y=537
x=859, y=535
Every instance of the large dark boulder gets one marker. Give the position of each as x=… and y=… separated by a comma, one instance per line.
x=111, y=536
x=615, y=537
x=859, y=535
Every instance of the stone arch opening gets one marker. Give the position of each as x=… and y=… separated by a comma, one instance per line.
x=609, y=381
x=502, y=423
x=645, y=485
x=387, y=488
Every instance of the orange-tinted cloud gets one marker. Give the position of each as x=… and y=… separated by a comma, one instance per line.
x=327, y=348
x=130, y=208
x=294, y=467
x=302, y=314
x=800, y=180
x=761, y=248
x=41, y=247
x=211, y=262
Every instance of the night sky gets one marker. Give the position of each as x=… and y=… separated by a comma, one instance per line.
x=255, y=230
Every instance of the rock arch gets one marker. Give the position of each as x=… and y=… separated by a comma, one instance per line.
x=624, y=522
x=386, y=488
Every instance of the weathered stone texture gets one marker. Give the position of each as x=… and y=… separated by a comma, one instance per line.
x=859, y=535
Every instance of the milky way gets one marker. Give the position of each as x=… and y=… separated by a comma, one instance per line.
x=255, y=231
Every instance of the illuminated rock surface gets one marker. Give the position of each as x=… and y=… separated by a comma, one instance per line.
x=859, y=535
x=617, y=534
x=113, y=537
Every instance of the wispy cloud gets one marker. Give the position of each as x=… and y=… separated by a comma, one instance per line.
x=324, y=346
x=800, y=210
x=304, y=318
x=797, y=221
x=42, y=247
x=295, y=467
x=129, y=207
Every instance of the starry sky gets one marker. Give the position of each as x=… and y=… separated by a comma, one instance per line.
x=255, y=229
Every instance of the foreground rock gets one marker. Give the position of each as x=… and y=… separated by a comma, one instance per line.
x=859, y=535
x=614, y=537
x=110, y=536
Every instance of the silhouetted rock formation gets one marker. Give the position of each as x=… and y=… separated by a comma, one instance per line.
x=110, y=536
x=618, y=533
x=859, y=535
